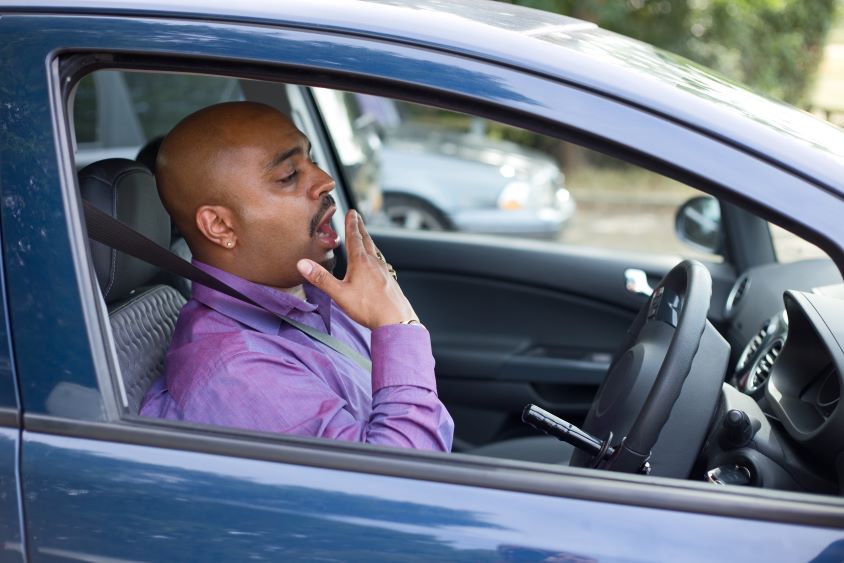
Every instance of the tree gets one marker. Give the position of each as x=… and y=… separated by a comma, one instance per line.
x=774, y=46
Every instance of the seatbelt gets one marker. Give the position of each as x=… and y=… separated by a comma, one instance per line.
x=111, y=232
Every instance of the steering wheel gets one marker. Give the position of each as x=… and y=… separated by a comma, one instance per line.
x=647, y=375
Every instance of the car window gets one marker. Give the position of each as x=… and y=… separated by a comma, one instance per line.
x=416, y=167
x=441, y=170
x=791, y=248
x=116, y=113
x=358, y=147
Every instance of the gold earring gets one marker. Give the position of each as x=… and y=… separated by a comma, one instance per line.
x=229, y=243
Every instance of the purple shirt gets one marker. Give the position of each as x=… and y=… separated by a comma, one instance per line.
x=233, y=364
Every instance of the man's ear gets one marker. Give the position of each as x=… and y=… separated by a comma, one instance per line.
x=216, y=224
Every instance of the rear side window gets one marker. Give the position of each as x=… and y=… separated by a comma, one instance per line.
x=116, y=113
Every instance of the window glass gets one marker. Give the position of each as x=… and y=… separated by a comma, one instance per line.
x=791, y=248
x=440, y=170
x=116, y=113
x=358, y=147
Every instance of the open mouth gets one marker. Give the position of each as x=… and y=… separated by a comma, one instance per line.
x=323, y=231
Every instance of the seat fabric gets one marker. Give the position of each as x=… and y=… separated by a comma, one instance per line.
x=142, y=313
x=142, y=328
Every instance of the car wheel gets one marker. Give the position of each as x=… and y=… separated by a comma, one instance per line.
x=414, y=214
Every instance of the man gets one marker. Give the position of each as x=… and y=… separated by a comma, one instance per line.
x=239, y=182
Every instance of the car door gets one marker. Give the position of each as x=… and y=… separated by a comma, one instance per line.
x=100, y=484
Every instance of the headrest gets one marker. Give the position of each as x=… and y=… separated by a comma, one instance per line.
x=149, y=152
x=125, y=190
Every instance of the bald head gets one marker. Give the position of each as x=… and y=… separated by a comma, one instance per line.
x=199, y=160
x=239, y=182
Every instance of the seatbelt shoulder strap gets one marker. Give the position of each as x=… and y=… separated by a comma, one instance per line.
x=111, y=232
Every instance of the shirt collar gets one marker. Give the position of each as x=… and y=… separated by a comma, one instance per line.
x=271, y=299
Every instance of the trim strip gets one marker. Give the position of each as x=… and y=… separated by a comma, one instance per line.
x=615, y=488
x=9, y=417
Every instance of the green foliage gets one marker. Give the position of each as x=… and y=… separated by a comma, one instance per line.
x=774, y=46
x=836, y=33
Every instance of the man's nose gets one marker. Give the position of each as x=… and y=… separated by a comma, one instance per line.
x=323, y=183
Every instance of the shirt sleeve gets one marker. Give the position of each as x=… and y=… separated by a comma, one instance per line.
x=405, y=408
x=266, y=392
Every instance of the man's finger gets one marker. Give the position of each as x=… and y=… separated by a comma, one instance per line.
x=367, y=240
x=319, y=277
x=354, y=241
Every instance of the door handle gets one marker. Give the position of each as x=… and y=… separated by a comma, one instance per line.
x=636, y=281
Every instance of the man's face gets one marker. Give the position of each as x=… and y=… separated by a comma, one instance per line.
x=280, y=200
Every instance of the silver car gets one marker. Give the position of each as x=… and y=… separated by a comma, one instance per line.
x=504, y=188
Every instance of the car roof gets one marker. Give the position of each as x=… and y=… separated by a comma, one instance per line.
x=576, y=52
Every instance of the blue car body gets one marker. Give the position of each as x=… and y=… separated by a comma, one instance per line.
x=81, y=481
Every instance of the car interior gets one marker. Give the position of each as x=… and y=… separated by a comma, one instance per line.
x=516, y=322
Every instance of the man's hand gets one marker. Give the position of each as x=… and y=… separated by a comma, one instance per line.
x=368, y=294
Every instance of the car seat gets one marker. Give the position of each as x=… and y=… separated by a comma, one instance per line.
x=178, y=246
x=142, y=312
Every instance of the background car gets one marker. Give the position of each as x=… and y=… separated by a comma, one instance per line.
x=440, y=173
x=512, y=321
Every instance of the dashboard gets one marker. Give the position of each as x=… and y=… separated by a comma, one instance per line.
x=803, y=389
x=780, y=424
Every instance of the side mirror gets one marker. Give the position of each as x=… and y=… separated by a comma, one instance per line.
x=698, y=224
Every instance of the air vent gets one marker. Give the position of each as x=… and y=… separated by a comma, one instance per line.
x=740, y=291
x=766, y=363
x=736, y=294
x=748, y=357
x=755, y=343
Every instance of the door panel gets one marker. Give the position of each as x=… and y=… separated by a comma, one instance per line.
x=89, y=500
x=501, y=345
x=516, y=322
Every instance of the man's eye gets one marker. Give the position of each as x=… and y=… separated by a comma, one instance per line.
x=289, y=178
